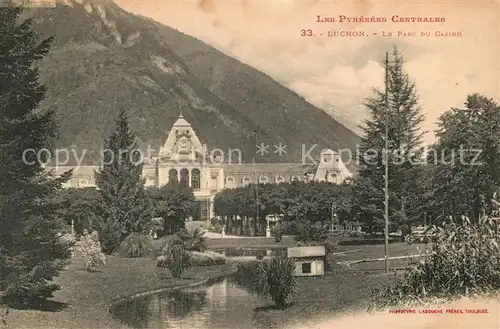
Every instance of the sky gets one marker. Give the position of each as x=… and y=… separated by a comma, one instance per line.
x=336, y=74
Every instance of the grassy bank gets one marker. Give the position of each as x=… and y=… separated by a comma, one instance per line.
x=373, y=252
x=339, y=290
x=85, y=298
x=336, y=292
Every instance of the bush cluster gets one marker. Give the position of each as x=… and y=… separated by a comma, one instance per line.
x=90, y=248
x=136, y=245
x=463, y=262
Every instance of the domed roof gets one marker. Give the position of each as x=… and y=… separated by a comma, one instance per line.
x=181, y=122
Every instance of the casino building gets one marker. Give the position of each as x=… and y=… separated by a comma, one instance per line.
x=183, y=158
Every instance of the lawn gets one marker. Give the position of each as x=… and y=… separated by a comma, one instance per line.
x=373, y=252
x=85, y=298
x=317, y=297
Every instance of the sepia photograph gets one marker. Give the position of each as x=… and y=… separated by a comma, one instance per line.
x=248, y=164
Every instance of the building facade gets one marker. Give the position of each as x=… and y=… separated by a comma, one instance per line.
x=184, y=159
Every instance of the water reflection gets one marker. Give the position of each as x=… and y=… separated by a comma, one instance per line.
x=239, y=252
x=222, y=305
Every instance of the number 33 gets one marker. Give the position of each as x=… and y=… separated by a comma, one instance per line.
x=307, y=33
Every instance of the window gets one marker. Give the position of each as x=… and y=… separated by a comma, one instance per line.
x=230, y=182
x=263, y=179
x=172, y=176
x=306, y=268
x=246, y=180
x=279, y=179
x=195, y=178
x=184, y=177
x=295, y=178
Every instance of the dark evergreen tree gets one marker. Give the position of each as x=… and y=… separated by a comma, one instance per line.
x=125, y=208
x=404, y=152
x=31, y=252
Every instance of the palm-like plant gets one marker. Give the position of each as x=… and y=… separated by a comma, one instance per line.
x=193, y=239
x=276, y=279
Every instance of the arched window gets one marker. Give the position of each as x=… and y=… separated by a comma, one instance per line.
x=263, y=179
x=172, y=176
x=184, y=177
x=230, y=182
x=195, y=178
x=279, y=179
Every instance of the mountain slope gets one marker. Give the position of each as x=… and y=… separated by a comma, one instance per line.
x=104, y=59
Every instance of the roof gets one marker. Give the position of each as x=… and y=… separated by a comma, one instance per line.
x=77, y=170
x=181, y=122
x=295, y=168
x=302, y=252
x=328, y=151
x=183, y=127
x=312, y=170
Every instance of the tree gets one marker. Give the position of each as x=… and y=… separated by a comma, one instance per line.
x=31, y=252
x=404, y=138
x=125, y=208
x=296, y=201
x=466, y=158
x=173, y=202
x=80, y=206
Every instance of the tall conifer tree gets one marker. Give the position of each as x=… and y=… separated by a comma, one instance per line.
x=405, y=140
x=125, y=208
x=31, y=252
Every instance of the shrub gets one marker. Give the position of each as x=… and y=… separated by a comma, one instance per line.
x=216, y=228
x=276, y=279
x=308, y=234
x=90, y=248
x=463, y=261
x=109, y=235
x=170, y=242
x=136, y=245
x=69, y=241
x=193, y=239
x=277, y=233
x=177, y=261
x=207, y=258
x=356, y=234
x=260, y=254
x=331, y=244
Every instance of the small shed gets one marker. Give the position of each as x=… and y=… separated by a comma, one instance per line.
x=309, y=261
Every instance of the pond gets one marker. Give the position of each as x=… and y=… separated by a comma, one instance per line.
x=223, y=304
x=251, y=252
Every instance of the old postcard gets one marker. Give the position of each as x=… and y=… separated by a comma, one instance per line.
x=219, y=164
